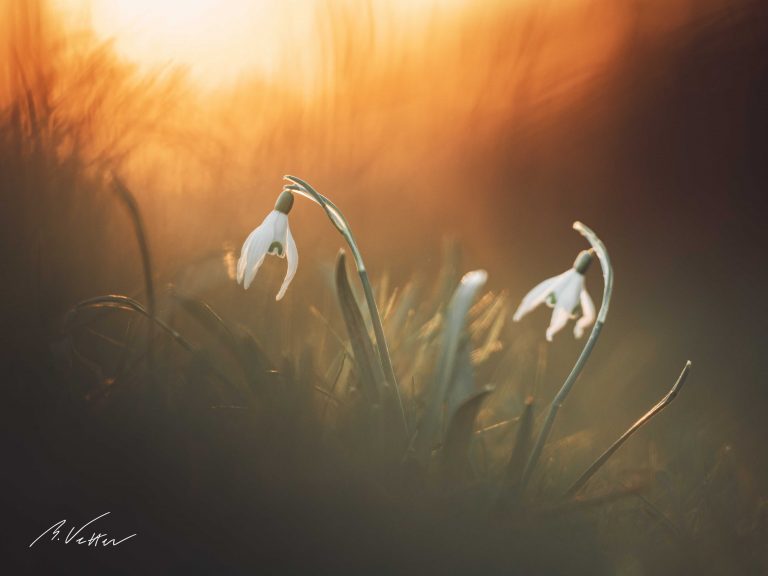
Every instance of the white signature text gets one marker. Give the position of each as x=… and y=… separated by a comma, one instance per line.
x=76, y=535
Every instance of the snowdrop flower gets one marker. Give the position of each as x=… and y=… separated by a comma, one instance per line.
x=565, y=293
x=273, y=236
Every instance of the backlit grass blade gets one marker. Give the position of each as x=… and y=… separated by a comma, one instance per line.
x=454, y=336
x=603, y=458
x=510, y=489
x=458, y=438
x=368, y=368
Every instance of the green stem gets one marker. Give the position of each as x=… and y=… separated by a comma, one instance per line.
x=605, y=264
x=340, y=222
x=381, y=343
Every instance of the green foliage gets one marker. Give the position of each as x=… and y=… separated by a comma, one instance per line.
x=368, y=368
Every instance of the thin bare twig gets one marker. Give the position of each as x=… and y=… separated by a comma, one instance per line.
x=603, y=458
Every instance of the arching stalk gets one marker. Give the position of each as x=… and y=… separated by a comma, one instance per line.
x=340, y=222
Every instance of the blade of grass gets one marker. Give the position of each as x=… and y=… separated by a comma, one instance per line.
x=130, y=203
x=496, y=426
x=441, y=390
x=201, y=312
x=369, y=370
x=332, y=391
x=458, y=438
x=119, y=302
x=603, y=458
x=514, y=472
x=319, y=315
x=116, y=301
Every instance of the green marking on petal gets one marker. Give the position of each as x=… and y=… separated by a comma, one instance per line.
x=275, y=248
x=551, y=299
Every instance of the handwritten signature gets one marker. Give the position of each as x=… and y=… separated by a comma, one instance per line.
x=96, y=538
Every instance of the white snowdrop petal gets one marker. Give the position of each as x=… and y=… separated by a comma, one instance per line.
x=536, y=296
x=293, y=263
x=567, y=292
x=243, y=260
x=588, y=314
x=251, y=272
x=273, y=230
x=254, y=249
x=280, y=232
x=560, y=317
x=257, y=250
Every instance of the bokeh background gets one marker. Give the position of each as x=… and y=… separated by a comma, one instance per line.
x=496, y=124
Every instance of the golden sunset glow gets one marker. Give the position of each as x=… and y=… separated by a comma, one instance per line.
x=214, y=41
x=219, y=42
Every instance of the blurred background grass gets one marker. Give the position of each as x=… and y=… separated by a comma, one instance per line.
x=497, y=125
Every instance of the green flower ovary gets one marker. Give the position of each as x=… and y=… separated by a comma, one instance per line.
x=551, y=299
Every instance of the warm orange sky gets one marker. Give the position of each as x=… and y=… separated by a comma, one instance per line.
x=220, y=41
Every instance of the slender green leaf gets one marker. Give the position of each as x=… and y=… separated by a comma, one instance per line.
x=510, y=490
x=368, y=367
x=458, y=438
x=450, y=386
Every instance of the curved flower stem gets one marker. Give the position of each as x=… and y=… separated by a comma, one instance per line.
x=340, y=222
x=605, y=264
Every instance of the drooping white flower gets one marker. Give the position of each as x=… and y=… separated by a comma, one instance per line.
x=564, y=293
x=273, y=236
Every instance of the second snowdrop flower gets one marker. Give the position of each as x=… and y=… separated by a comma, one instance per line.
x=564, y=293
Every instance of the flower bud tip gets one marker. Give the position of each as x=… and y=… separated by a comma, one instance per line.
x=583, y=260
x=284, y=202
